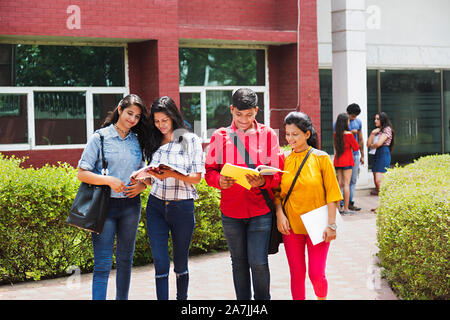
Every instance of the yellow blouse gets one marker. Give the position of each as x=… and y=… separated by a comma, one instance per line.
x=316, y=186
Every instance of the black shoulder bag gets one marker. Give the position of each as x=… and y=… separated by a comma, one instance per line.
x=275, y=235
x=90, y=207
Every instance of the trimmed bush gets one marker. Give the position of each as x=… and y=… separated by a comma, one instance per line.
x=413, y=228
x=37, y=243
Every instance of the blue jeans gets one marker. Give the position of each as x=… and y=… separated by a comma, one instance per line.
x=122, y=221
x=248, y=241
x=178, y=218
x=354, y=179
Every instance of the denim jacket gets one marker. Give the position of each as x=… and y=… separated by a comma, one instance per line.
x=124, y=155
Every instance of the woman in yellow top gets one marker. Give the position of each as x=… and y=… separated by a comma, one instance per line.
x=315, y=187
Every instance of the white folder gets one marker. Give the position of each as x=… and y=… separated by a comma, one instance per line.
x=316, y=222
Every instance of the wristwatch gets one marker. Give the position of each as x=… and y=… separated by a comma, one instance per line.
x=332, y=226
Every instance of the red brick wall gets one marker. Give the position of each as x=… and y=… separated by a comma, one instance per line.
x=153, y=69
x=284, y=88
x=136, y=19
x=153, y=29
x=250, y=20
x=231, y=13
x=38, y=158
x=143, y=70
x=309, y=63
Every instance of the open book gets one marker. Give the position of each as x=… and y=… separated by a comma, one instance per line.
x=151, y=170
x=239, y=173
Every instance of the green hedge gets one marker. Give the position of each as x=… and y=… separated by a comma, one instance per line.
x=36, y=243
x=413, y=228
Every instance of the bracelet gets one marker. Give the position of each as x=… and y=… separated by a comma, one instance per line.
x=143, y=182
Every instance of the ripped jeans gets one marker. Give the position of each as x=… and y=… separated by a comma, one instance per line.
x=178, y=218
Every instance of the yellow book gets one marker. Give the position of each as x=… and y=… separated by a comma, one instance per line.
x=239, y=173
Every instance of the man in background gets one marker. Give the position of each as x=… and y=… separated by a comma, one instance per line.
x=355, y=127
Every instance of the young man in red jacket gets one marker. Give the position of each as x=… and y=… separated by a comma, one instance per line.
x=246, y=218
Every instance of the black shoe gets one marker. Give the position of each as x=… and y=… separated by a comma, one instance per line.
x=353, y=207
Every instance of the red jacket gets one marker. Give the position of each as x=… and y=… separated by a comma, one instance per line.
x=263, y=147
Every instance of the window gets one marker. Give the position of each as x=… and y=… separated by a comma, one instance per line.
x=103, y=104
x=60, y=118
x=13, y=119
x=221, y=67
x=68, y=66
x=6, y=64
x=190, y=108
x=57, y=95
x=208, y=78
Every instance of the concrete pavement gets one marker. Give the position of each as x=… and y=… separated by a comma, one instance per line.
x=352, y=271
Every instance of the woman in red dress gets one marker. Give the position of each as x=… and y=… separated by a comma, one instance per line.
x=344, y=145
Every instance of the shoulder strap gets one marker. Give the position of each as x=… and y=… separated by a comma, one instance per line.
x=248, y=160
x=296, y=176
x=241, y=148
x=102, y=151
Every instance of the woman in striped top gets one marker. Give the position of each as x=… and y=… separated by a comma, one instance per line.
x=381, y=139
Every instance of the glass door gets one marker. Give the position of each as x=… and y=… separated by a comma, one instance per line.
x=446, y=120
x=412, y=100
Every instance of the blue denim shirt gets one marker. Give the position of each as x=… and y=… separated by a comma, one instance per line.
x=123, y=155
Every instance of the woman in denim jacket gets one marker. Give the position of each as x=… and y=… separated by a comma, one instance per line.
x=123, y=132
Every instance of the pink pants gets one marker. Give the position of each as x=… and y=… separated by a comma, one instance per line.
x=294, y=245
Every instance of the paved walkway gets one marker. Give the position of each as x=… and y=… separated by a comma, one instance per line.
x=351, y=271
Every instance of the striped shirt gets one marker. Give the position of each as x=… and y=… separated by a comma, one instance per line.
x=186, y=155
x=388, y=132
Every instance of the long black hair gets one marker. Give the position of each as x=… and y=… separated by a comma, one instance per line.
x=141, y=127
x=384, y=123
x=341, y=127
x=154, y=136
x=304, y=123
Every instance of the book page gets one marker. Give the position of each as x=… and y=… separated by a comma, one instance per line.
x=268, y=170
x=316, y=222
x=151, y=171
x=374, y=150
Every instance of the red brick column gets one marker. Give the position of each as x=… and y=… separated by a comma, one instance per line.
x=153, y=69
x=290, y=90
x=309, y=63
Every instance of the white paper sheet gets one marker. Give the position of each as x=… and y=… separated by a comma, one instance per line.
x=316, y=222
x=374, y=150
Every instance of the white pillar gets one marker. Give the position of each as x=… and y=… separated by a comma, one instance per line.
x=348, y=20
